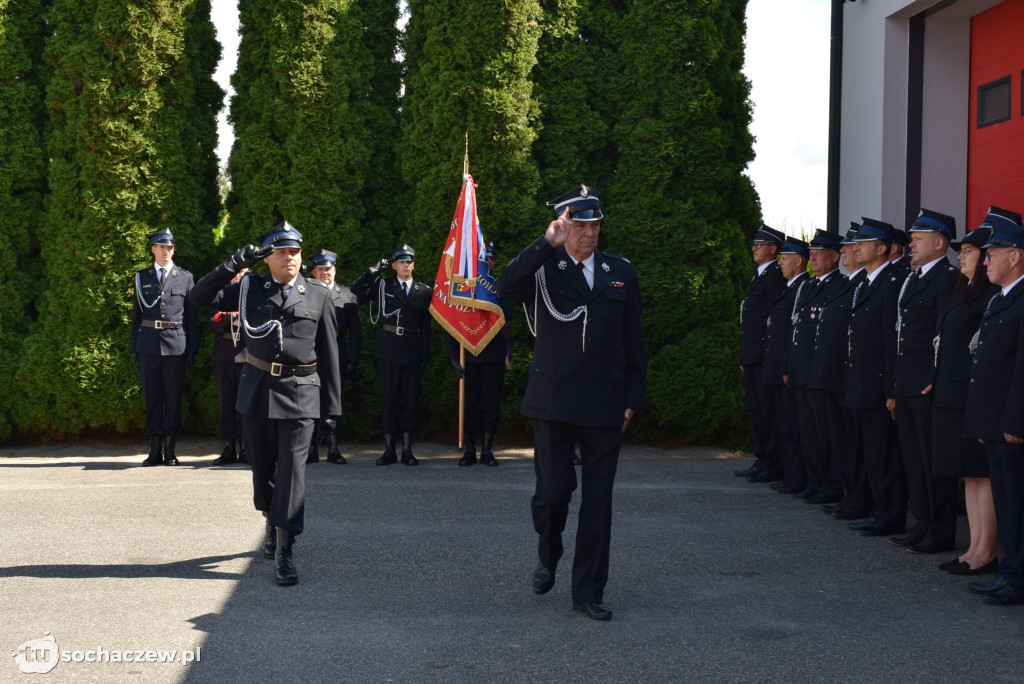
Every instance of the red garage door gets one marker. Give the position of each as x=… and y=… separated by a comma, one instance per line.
x=995, y=166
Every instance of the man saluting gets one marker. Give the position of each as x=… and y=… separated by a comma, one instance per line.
x=290, y=373
x=587, y=381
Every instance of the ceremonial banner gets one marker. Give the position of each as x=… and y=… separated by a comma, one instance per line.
x=465, y=301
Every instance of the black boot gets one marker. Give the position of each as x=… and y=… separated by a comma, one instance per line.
x=169, y=457
x=156, y=445
x=284, y=569
x=486, y=454
x=389, y=456
x=469, y=455
x=228, y=456
x=270, y=540
x=333, y=452
x=313, y=456
x=407, y=457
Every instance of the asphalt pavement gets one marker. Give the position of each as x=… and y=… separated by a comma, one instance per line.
x=423, y=575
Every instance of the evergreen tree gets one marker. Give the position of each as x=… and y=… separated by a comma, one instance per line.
x=303, y=148
x=467, y=70
x=682, y=209
x=22, y=180
x=130, y=101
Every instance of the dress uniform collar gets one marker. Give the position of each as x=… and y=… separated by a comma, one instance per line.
x=873, y=276
x=170, y=267
x=923, y=270
x=1011, y=286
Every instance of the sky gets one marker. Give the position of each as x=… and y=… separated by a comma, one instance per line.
x=787, y=61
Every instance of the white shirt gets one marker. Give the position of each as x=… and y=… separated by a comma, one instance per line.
x=927, y=267
x=588, y=269
x=157, y=266
x=1006, y=290
x=874, y=274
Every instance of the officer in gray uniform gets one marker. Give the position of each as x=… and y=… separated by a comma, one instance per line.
x=587, y=381
x=402, y=346
x=164, y=342
x=290, y=378
x=350, y=339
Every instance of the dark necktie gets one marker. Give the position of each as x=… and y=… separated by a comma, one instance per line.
x=405, y=288
x=583, y=272
x=163, y=272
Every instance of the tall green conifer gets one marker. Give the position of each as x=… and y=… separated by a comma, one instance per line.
x=130, y=101
x=22, y=180
x=680, y=206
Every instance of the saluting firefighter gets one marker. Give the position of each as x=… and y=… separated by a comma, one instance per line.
x=164, y=342
x=484, y=374
x=587, y=381
x=290, y=377
x=350, y=339
x=228, y=360
x=402, y=345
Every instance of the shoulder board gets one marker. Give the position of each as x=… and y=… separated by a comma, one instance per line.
x=182, y=270
x=616, y=256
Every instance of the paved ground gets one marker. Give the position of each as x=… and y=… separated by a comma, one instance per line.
x=422, y=574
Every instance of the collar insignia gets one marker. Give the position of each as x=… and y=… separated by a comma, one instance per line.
x=605, y=267
x=562, y=265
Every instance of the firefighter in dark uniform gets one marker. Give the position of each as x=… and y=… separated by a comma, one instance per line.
x=587, y=381
x=402, y=346
x=228, y=361
x=815, y=440
x=899, y=257
x=484, y=374
x=290, y=377
x=872, y=359
x=164, y=342
x=350, y=341
x=764, y=286
x=923, y=294
x=995, y=401
x=779, y=333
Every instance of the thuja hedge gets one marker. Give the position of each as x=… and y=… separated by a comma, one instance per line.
x=643, y=100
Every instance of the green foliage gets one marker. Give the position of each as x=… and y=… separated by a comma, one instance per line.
x=680, y=206
x=130, y=140
x=22, y=181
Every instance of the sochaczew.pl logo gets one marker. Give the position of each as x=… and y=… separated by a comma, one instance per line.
x=39, y=656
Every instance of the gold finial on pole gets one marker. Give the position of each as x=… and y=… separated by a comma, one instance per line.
x=465, y=160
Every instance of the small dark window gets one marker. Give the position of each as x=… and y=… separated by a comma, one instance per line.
x=994, y=102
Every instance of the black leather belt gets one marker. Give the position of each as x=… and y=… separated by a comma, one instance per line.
x=162, y=325
x=280, y=370
x=400, y=331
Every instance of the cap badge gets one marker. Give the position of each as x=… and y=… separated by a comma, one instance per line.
x=584, y=191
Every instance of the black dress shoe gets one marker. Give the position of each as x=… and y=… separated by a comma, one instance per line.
x=987, y=587
x=849, y=514
x=881, y=530
x=931, y=546
x=764, y=476
x=825, y=498
x=487, y=458
x=269, y=540
x=966, y=569
x=747, y=472
x=782, y=488
x=805, y=494
x=336, y=458
x=408, y=459
x=468, y=457
x=1007, y=596
x=543, y=579
x=227, y=457
x=953, y=562
x=907, y=540
x=833, y=508
x=861, y=524
x=594, y=611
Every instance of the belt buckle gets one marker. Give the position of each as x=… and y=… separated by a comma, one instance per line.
x=276, y=369
x=159, y=325
x=399, y=330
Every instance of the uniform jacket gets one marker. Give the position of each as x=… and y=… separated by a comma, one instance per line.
x=225, y=350
x=923, y=299
x=761, y=294
x=829, y=361
x=574, y=379
x=170, y=302
x=779, y=330
x=872, y=342
x=902, y=267
x=310, y=333
x=817, y=293
x=995, y=395
x=956, y=327
x=411, y=313
x=350, y=328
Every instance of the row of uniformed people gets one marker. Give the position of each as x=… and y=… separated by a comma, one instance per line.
x=165, y=339
x=867, y=395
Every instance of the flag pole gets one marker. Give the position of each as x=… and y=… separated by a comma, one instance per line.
x=462, y=350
